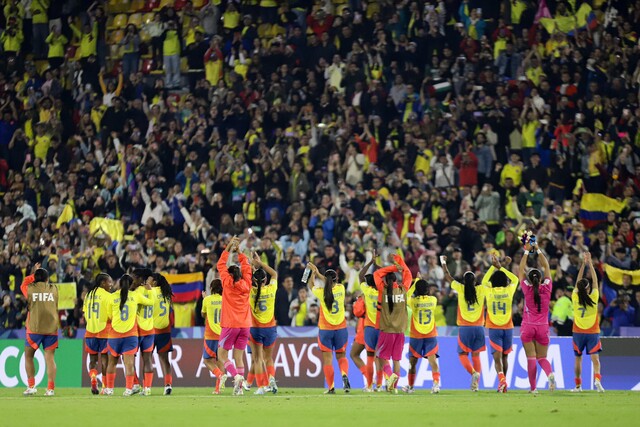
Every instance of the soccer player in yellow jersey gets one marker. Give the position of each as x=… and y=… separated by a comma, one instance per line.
x=143, y=278
x=211, y=309
x=370, y=297
x=162, y=298
x=500, y=286
x=471, y=298
x=586, y=323
x=332, y=325
x=263, y=331
x=123, y=335
x=95, y=338
x=423, y=341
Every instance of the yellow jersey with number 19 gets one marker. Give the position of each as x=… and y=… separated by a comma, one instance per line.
x=96, y=314
x=469, y=314
x=123, y=322
x=262, y=313
x=211, y=309
x=331, y=318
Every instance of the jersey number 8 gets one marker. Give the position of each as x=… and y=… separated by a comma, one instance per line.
x=124, y=313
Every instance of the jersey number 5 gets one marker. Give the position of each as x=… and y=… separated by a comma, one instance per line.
x=163, y=308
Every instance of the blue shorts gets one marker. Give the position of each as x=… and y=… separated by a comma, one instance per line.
x=95, y=345
x=265, y=337
x=126, y=345
x=163, y=343
x=471, y=339
x=589, y=342
x=145, y=342
x=48, y=342
x=423, y=347
x=501, y=340
x=333, y=340
x=210, y=350
x=371, y=335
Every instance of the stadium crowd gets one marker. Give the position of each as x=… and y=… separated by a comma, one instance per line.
x=316, y=131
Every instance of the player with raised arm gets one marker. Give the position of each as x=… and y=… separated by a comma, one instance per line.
x=143, y=278
x=423, y=341
x=359, y=312
x=470, y=321
x=393, y=317
x=332, y=325
x=586, y=323
x=500, y=286
x=211, y=310
x=42, y=327
x=95, y=307
x=534, y=331
x=263, y=332
x=371, y=331
x=236, y=313
x=123, y=335
x=162, y=298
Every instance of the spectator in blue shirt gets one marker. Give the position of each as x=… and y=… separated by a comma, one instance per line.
x=621, y=312
x=298, y=241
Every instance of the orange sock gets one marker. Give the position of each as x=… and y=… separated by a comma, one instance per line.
x=344, y=366
x=501, y=377
x=265, y=379
x=466, y=364
x=578, y=382
x=271, y=371
x=31, y=382
x=129, y=381
x=148, y=379
x=217, y=372
x=136, y=381
x=598, y=377
x=93, y=373
x=363, y=369
x=328, y=375
x=250, y=378
x=476, y=363
x=369, y=374
x=51, y=385
x=168, y=379
x=110, y=380
x=412, y=379
x=436, y=377
x=379, y=377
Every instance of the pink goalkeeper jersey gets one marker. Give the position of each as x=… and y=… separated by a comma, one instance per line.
x=531, y=314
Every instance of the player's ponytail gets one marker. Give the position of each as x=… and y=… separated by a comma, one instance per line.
x=499, y=279
x=331, y=277
x=125, y=283
x=534, y=278
x=470, y=294
x=583, y=295
x=97, y=283
x=165, y=287
x=422, y=288
x=259, y=278
x=389, y=279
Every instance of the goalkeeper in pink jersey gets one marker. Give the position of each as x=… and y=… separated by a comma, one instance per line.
x=534, y=331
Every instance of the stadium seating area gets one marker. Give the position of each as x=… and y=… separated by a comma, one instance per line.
x=148, y=132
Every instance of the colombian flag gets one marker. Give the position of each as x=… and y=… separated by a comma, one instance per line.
x=186, y=287
x=67, y=214
x=612, y=281
x=594, y=208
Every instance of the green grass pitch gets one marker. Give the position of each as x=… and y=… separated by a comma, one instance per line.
x=309, y=407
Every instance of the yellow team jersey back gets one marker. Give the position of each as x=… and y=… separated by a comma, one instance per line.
x=469, y=314
x=333, y=317
x=263, y=311
x=371, y=304
x=144, y=314
x=211, y=309
x=500, y=300
x=123, y=322
x=423, y=315
x=585, y=319
x=161, y=310
x=96, y=314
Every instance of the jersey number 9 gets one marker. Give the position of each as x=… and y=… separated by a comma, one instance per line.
x=95, y=309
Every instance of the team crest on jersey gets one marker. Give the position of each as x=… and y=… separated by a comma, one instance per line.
x=42, y=296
